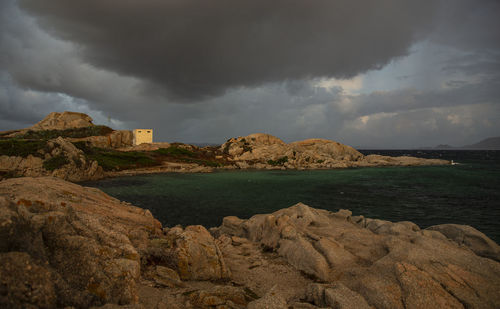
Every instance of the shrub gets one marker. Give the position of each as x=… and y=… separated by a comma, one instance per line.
x=73, y=132
x=110, y=159
x=21, y=148
x=226, y=148
x=83, y=146
x=116, y=160
x=202, y=162
x=280, y=161
x=55, y=162
x=174, y=151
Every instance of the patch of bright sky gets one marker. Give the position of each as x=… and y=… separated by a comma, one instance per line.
x=421, y=69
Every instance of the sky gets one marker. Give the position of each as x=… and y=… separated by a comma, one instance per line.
x=370, y=74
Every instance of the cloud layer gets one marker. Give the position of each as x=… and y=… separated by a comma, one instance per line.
x=195, y=49
x=405, y=74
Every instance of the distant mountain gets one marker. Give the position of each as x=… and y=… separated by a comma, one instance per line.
x=443, y=146
x=492, y=143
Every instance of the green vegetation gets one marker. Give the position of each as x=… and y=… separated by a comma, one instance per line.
x=226, y=148
x=21, y=148
x=55, y=162
x=111, y=160
x=280, y=161
x=187, y=156
x=201, y=162
x=175, y=152
x=74, y=132
x=8, y=174
x=246, y=147
x=320, y=161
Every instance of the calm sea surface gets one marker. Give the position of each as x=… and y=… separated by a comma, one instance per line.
x=468, y=193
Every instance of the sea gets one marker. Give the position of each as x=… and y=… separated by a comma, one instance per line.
x=465, y=193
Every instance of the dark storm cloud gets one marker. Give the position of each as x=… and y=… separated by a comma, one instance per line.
x=194, y=49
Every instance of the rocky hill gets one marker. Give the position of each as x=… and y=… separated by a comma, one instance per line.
x=63, y=121
x=64, y=245
x=264, y=151
x=492, y=143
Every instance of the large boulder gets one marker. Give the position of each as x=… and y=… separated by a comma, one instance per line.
x=318, y=149
x=196, y=254
x=67, y=245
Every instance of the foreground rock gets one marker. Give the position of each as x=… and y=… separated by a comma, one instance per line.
x=67, y=245
x=374, y=262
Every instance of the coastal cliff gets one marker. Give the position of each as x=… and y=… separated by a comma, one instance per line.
x=68, y=145
x=68, y=245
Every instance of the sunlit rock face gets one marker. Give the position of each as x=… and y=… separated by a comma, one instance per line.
x=57, y=157
x=264, y=151
x=68, y=245
x=63, y=121
x=375, y=262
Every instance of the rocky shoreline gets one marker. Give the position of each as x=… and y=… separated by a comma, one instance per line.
x=64, y=245
x=69, y=146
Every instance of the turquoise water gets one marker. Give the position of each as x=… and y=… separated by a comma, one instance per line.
x=462, y=194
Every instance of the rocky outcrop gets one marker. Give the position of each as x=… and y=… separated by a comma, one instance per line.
x=67, y=245
x=269, y=152
x=379, y=263
x=107, y=138
x=378, y=160
x=116, y=139
x=63, y=121
x=193, y=253
x=58, y=158
x=471, y=238
x=72, y=246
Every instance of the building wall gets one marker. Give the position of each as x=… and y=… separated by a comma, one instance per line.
x=142, y=136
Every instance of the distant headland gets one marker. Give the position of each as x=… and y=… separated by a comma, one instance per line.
x=69, y=146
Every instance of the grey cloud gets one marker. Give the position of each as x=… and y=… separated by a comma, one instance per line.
x=197, y=49
x=454, y=125
x=468, y=25
x=242, y=87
